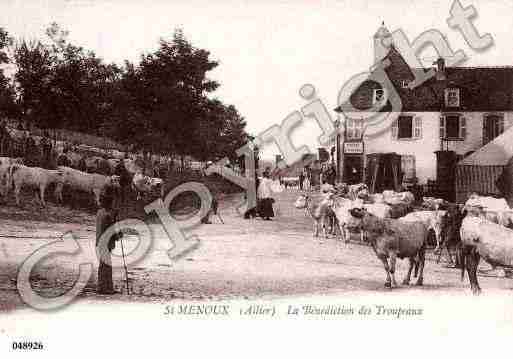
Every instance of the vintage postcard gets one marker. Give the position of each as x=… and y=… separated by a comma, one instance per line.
x=256, y=178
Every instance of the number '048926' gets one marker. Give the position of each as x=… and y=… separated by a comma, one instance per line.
x=27, y=346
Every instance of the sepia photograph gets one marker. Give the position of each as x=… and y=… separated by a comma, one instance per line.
x=256, y=178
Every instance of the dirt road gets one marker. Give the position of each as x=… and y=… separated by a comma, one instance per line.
x=238, y=259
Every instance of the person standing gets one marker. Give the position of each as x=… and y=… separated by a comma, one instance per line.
x=46, y=150
x=32, y=155
x=4, y=138
x=82, y=165
x=265, y=204
x=301, y=179
x=105, y=217
x=63, y=159
x=330, y=175
x=315, y=175
x=124, y=178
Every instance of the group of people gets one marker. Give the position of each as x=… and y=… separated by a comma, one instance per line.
x=316, y=175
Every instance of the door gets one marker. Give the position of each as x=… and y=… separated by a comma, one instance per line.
x=493, y=126
x=353, y=169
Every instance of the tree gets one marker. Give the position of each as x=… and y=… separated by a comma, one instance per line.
x=162, y=104
x=62, y=85
x=34, y=62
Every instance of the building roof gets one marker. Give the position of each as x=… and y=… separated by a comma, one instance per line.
x=496, y=153
x=481, y=88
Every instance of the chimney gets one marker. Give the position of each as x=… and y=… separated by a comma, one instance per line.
x=440, y=69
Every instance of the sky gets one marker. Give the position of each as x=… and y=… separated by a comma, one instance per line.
x=266, y=49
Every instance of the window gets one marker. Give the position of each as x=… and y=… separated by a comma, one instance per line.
x=379, y=96
x=407, y=127
x=452, y=97
x=493, y=126
x=405, y=124
x=354, y=129
x=453, y=127
x=404, y=84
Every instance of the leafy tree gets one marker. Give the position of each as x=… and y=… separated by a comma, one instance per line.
x=162, y=104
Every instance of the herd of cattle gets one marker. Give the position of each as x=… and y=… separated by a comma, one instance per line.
x=393, y=224
x=15, y=176
x=397, y=227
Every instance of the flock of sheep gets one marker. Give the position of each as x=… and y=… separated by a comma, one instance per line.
x=397, y=227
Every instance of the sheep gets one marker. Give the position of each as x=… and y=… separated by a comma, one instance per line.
x=395, y=239
x=483, y=238
x=319, y=209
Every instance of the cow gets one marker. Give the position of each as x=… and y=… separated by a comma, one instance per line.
x=93, y=183
x=320, y=209
x=483, y=238
x=433, y=221
x=93, y=163
x=5, y=175
x=144, y=184
x=132, y=166
x=36, y=178
x=391, y=239
x=359, y=190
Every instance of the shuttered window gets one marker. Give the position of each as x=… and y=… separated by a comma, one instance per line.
x=407, y=127
x=417, y=127
x=453, y=127
x=354, y=129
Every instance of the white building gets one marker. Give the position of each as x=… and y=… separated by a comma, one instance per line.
x=460, y=109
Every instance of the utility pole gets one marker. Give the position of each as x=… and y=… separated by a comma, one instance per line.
x=337, y=144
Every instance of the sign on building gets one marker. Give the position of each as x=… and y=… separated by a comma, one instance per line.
x=353, y=148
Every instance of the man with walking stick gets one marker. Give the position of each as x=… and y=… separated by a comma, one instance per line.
x=105, y=217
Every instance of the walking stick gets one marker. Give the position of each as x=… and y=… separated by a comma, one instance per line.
x=124, y=264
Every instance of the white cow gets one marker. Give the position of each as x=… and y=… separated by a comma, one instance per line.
x=36, y=178
x=93, y=183
x=392, y=197
x=496, y=210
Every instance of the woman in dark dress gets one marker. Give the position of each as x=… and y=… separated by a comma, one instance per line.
x=265, y=200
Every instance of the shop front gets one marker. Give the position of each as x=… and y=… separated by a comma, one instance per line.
x=353, y=169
